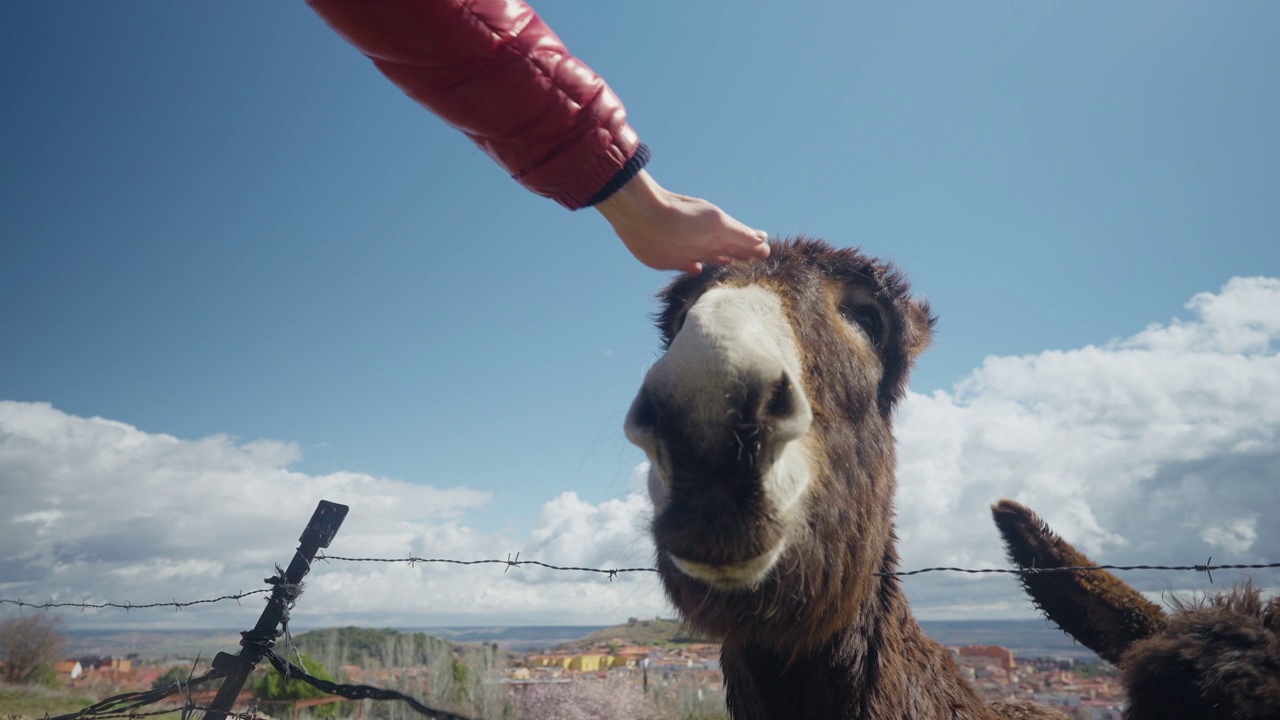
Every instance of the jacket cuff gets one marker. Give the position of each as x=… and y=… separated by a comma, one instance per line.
x=629, y=171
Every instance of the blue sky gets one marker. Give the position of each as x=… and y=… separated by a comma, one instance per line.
x=218, y=219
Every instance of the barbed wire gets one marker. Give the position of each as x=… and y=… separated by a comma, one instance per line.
x=353, y=692
x=1206, y=568
x=127, y=606
x=510, y=562
x=126, y=705
x=186, y=711
x=515, y=562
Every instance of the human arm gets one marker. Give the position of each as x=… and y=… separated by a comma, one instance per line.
x=495, y=71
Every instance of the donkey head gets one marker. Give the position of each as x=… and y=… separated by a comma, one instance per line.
x=767, y=423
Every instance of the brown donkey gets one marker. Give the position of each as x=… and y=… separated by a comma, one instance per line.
x=768, y=426
x=1213, y=659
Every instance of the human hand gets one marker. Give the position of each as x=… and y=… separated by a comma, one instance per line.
x=668, y=231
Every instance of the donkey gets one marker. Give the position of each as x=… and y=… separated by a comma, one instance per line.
x=1216, y=658
x=768, y=427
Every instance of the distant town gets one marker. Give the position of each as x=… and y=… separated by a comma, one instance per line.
x=1089, y=691
x=643, y=659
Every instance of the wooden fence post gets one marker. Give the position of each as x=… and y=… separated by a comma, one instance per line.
x=319, y=532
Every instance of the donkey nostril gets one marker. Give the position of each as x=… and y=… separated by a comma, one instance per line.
x=643, y=412
x=786, y=413
x=782, y=402
x=641, y=425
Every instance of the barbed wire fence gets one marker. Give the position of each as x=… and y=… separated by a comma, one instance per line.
x=255, y=645
x=1207, y=567
x=515, y=562
x=286, y=586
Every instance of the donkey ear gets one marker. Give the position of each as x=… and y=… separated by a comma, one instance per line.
x=919, y=330
x=1098, y=609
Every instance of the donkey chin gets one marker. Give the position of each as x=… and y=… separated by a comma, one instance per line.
x=784, y=483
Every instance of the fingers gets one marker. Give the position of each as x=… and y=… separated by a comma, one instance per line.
x=725, y=241
x=754, y=252
x=668, y=231
x=746, y=244
x=742, y=241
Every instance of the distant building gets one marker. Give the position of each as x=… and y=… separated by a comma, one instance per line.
x=111, y=664
x=1047, y=664
x=1065, y=701
x=69, y=669
x=1100, y=710
x=629, y=656
x=1003, y=655
x=550, y=660
x=588, y=663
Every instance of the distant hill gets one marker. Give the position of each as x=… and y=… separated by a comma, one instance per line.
x=651, y=632
x=379, y=649
x=151, y=644
x=518, y=638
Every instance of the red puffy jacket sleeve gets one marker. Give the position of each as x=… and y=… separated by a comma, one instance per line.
x=494, y=70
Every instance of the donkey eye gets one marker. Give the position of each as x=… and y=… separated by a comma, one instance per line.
x=677, y=322
x=671, y=324
x=866, y=317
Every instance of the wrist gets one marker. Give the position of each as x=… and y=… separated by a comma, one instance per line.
x=640, y=198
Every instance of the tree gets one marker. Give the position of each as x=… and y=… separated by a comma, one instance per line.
x=274, y=687
x=30, y=646
x=177, y=673
x=585, y=700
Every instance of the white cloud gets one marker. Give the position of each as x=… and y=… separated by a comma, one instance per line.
x=575, y=532
x=93, y=510
x=1162, y=448
x=1235, y=536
